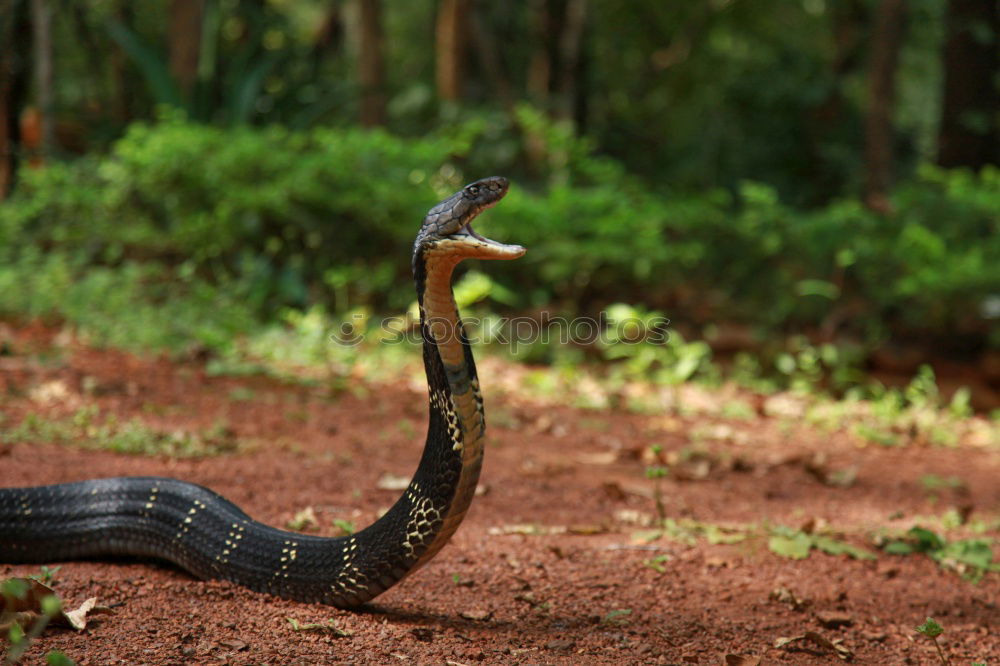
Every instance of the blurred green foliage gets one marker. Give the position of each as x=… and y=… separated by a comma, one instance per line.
x=692, y=94
x=195, y=232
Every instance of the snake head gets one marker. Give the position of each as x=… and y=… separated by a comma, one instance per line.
x=448, y=229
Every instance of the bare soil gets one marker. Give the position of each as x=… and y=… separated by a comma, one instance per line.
x=546, y=568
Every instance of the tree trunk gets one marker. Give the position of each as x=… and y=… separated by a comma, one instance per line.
x=969, y=134
x=848, y=20
x=329, y=36
x=539, y=80
x=94, y=53
x=570, y=50
x=41, y=18
x=121, y=97
x=489, y=58
x=15, y=33
x=371, y=64
x=452, y=27
x=885, y=41
x=184, y=42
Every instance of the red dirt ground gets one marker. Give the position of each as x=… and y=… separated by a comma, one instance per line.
x=497, y=594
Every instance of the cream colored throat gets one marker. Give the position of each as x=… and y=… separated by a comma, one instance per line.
x=463, y=408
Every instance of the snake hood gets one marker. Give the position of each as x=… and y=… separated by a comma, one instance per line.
x=448, y=225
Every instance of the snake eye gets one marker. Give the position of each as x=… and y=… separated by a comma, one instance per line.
x=473, y=190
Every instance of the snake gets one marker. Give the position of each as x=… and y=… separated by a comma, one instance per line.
x=210, y=537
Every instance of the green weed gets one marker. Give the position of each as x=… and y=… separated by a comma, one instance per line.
x=876, y=435
x=345, y=527
x=932, y=483
x=90, y=429
x=46, y=574
x=971, y=558
x=617, y=617
x=14, y=593
x=931, y=629
x=690, y=531
x=796, y=545
x=656, y=563
x=242, y=394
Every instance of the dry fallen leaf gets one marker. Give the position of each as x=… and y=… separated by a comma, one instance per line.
x=50, y=392
x=601, y=458
x=79, y=618
x=786, y=596
x=836, y=645
x=392, y=482
x=304, y=521
x=478, y=615
x=526, y=529
x=25, y=607
x=21, y=619
x=742, y=660
x=587, y=530
x=330, y=626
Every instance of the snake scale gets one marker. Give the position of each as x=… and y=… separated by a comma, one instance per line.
x=212, y=538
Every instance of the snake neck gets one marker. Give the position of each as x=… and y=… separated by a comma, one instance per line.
x=457, y=422
x=444, y=338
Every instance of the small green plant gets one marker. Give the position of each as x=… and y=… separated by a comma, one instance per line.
x=241, y=394
x=876, y=435
x=932, y=630
x=971, y=558
x=656, y=563
x=934, y=483
x=690, y=531
x=617, y=617
x=304, y=521
x=797, y=545
x=16, y=590
x=46, y=574
x=57, y=658
x=345, y=527
x=90, y=429
x=737, y=410
x=657, y=473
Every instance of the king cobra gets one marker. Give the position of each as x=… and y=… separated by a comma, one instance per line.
x=210, y=537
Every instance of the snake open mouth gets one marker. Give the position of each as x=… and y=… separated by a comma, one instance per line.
x=487, y=248
x=472, y=232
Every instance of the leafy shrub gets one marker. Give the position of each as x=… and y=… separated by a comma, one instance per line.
x=192, y=231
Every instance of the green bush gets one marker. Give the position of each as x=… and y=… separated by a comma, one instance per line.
x=274, y=208
x=188, y=232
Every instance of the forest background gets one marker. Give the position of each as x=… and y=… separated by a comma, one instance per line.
x=807, y=190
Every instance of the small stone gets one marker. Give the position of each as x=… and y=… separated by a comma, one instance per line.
x=424, y=634
x=560, y=644
x=834, y=619
x=477, y=615
x=474, y=654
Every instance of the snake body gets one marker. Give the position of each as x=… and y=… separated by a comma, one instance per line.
x=212, y=538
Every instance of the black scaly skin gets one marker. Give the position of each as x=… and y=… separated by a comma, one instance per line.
x=212, y=538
